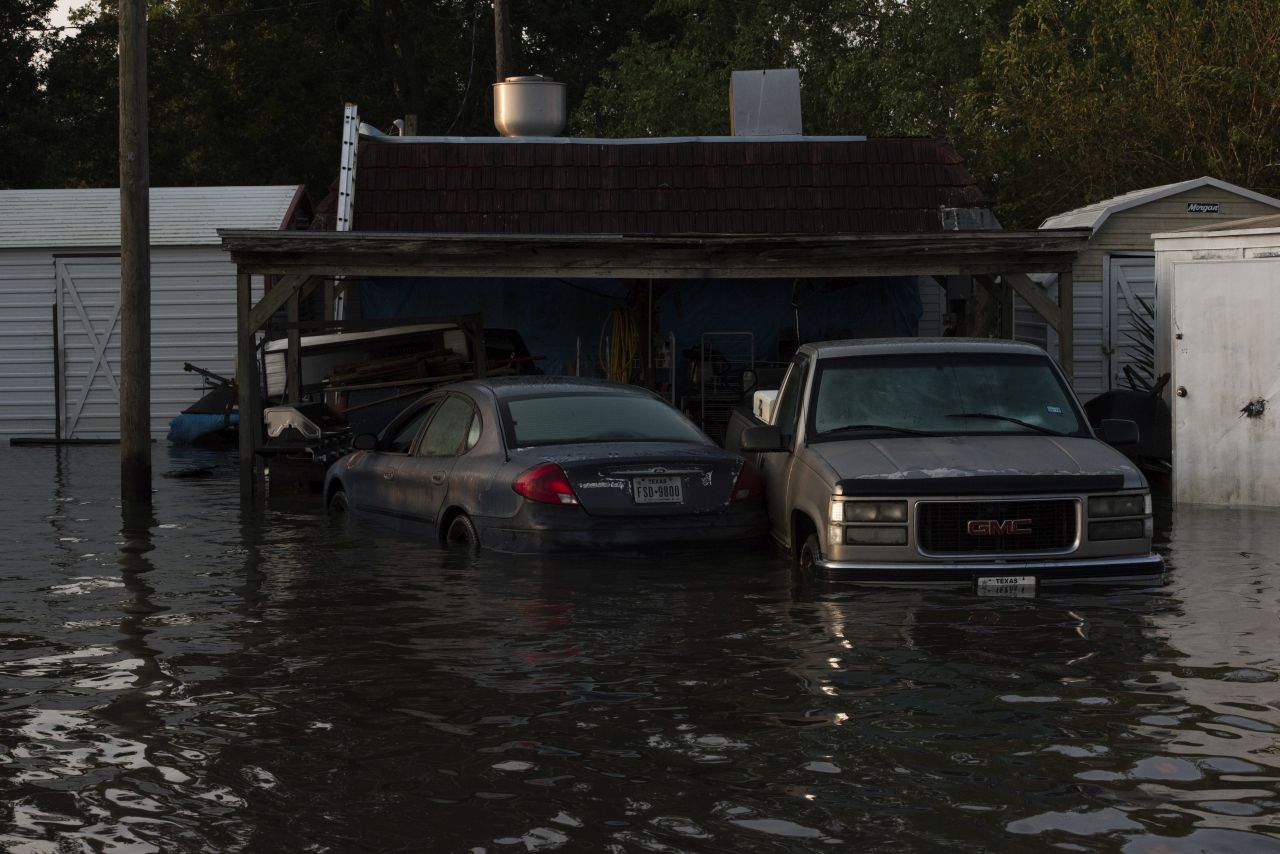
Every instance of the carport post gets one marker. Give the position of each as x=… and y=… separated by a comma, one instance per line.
x=293, y=360
x=247, y=382
x=1066, y=324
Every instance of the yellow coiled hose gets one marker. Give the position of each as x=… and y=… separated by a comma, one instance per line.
x=624, y=344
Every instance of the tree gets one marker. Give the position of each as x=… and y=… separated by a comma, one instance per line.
x=1086, y=100
x=876, y=67
x=23, y=37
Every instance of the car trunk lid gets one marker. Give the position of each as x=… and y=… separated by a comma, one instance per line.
x=645, y=478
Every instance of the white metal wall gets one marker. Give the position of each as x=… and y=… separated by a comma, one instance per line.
x=1227, y=356
x=26, y=344
x=933, y=298
x=193, y=319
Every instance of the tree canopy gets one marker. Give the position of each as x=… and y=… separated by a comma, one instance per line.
x=1055, y=103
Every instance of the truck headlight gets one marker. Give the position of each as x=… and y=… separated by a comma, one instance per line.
x=1119, y=505
x=875, y=511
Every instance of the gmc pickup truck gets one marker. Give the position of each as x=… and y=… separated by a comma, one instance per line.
x=949, y=462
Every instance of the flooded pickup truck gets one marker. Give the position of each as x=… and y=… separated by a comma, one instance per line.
x=946, y=462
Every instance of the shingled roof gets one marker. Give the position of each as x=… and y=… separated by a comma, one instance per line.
x=822, y=185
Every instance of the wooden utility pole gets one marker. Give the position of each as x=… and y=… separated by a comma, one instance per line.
x=135, y=258
x=502, y=39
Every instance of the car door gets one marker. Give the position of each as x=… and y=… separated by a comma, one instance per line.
x=777, y=464
x=422, y=481
x=369, y=483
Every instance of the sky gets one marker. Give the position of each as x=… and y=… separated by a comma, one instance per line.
x=60, y=12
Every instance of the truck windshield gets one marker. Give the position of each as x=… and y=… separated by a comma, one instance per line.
x=941, y=394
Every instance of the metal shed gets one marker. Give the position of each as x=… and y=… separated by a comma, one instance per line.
x=1117, y=270
x=1221, y=286
x=60, y=299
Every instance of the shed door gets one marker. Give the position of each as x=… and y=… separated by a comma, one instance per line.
x=1132, y=281
x=1226, y=358
x=89, y=343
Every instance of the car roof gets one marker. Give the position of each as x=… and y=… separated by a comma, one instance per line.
x=892, y=346
x=522, y=386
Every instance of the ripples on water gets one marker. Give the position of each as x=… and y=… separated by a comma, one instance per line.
x=212, y=679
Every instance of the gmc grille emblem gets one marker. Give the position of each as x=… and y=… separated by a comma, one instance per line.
x=996, y=527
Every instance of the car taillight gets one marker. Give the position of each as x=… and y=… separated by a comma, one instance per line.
x=546, y=483
x=749, y=483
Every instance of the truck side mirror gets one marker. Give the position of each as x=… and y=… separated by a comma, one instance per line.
x=763, y=438
x=762, y=403
x=1120, y=432
x=365, y=442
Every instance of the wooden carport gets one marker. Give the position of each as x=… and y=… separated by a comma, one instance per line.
x=998, y=260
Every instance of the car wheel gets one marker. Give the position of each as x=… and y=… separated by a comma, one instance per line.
x=462, y=532
x=810, y=554
x=338, y=503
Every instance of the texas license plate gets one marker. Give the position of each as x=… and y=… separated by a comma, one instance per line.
x=1007, y=585
x=658, y=490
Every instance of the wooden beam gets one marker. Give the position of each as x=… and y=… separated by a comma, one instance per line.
x=274, y=299
x=1036, y=297
x=1066, y=329
x=630, y=256
x=250, y=403
x=135, y=258
x=293, y=356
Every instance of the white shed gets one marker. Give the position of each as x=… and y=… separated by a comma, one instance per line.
x=60, y=301
x=1221, y=287
x=1118, y=268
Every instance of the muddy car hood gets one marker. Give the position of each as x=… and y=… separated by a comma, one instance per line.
x=930, y=464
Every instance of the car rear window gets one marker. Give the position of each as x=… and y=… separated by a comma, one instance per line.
x=565, y=419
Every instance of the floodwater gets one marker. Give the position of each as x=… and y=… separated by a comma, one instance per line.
x=216, y=679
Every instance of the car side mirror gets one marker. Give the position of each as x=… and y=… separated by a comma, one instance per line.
x=1120, y=432
x=763, y=438
x=763, y=402
x=365, y=442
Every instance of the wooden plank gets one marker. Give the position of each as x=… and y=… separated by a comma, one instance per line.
x=1035, y=297
x=659, y=268
x=247, y=381
x=612, y=256
x=135, y=260
x=274, y=299
x=293, y=356
x=1066, y=329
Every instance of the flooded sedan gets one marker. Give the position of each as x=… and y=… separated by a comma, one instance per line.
x=534, y=463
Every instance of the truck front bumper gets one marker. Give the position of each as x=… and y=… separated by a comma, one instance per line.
x=1132, y=570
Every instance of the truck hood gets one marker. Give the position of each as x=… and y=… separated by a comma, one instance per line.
x=933, y=464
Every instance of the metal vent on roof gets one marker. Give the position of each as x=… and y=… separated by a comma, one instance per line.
x=968, y=219
x=765, y=103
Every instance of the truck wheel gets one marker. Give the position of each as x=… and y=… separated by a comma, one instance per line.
x=810, y=554
x=338, y=503
x=462, y=532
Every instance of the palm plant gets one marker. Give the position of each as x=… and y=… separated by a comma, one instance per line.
x=1141, y=373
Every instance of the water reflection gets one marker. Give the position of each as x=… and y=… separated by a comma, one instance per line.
x=213, y=677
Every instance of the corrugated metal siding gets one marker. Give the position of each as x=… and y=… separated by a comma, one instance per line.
x=1089, y=361
x=193, y=306
x=193, y=319
x=86, y=219
x=933, y=297
x=26, y=344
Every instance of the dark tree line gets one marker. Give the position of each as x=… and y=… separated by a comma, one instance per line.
x=1055, y=103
